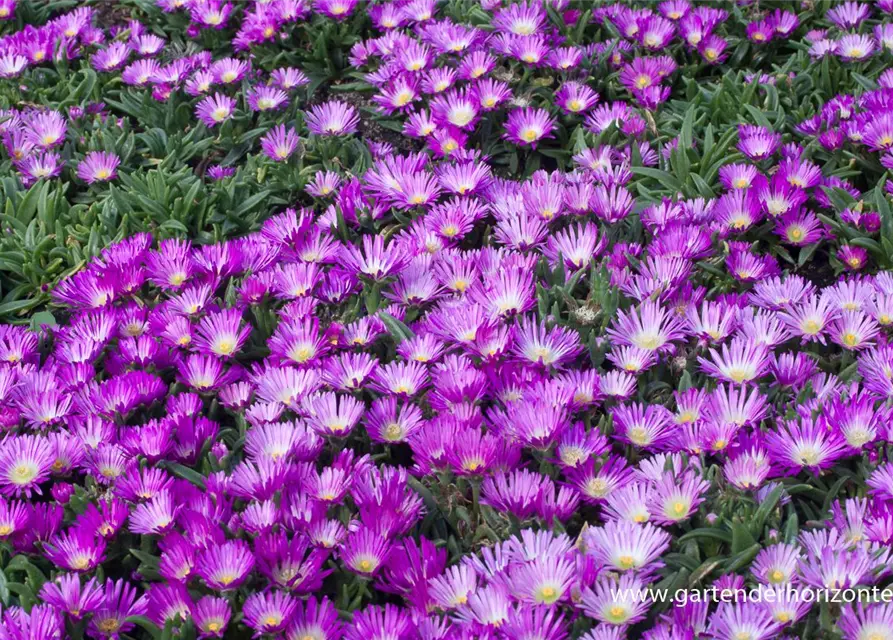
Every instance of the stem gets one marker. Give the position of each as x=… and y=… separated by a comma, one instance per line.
x=475, y=499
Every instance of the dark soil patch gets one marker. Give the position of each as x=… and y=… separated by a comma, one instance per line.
x=109, y=12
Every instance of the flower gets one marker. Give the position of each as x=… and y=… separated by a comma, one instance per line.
x=98, y=166
x=215, y=109
x=25, y=462
x=332, y=118
x=528, y=126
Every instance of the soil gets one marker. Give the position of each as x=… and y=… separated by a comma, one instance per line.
x=109, y=12
x=818, y=271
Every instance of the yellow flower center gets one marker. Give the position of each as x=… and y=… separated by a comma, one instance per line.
x=393, y=432
x=597, y=487
x=301, y=354
x=109, y=625
x=23, y=474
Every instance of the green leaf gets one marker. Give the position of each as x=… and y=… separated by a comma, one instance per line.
x=741, y=538
x=250, y=203
x=42, y=319
x=667, y=180
x=186, y=473
x=397, y=329
x=765, y=508
x=150, y=627
x=866, y=83
x=758, y=116
x=4, y=590
x=711, y=534
x=742, y=559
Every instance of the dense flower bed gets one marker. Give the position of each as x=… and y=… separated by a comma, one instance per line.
x=455, y=319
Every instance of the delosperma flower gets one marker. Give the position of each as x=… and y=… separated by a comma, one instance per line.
x=489, y=323
x=215, y=109
x=332, y=119
x=98, y=166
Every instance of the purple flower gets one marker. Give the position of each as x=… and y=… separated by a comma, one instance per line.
x=528, y=126
x=98, y=166
x=332, y=118
x=214, y=110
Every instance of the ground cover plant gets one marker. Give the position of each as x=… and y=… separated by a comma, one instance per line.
x=446, y=319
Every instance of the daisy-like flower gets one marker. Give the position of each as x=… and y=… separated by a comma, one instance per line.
x=332, y=118
x=267, y=99
x=854, y=258
x=119, y=603
x=644, y=426
x=543, y=581
x=650, y=327
x=76, y=550
x=40, y=166
x=451, y=589
x=155, y=516
x=831, y=566
x=268, y=613
x=46, y=129
x=777, y=564
x=215, y=109
x=626, y=546
x=279, y=143
x=551, y=348
x=849, y=14
x=742, y=620
x=740, y=362
x=225, y=566
x=335, y=9
x=854, y=330
x=855, y=47
x=25, y=462
x=866, y=621
x=574, y=97
x=527, y=126
x=67, y=594
x=629, y=502
x=375, y=261
x=799, y=228
x=675, y=499
x=365, y=552
x=805, y=444
x=98, y=166
x=810, y=319
x=333, y=415
x=619, y=602
x=314, y=618
x=211, y=616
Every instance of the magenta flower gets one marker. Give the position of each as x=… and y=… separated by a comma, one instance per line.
x=215, y=109
x=528, y=126
x=98, y=166
x=279, y=143
x=332, y=118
